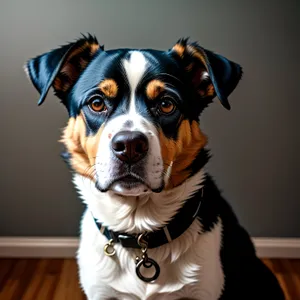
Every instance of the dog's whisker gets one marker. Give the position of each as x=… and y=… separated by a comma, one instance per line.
x=168, y=172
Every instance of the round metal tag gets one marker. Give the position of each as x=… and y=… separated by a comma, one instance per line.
x=147, y=264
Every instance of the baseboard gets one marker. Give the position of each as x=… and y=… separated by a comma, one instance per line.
x=39, y=247
x=66, y=247
x=277, y=247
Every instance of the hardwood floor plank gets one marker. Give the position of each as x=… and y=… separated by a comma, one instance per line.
x=12, y=283
x=284, y=278
x=50, y=280
x=6, y=266
x=36, y=281
x=24, y=278
x=78, y=293
x=68, y=286
x=279, y=272
x=296, y=265
x=287, y=275
x=295, y=278
x=47, y=287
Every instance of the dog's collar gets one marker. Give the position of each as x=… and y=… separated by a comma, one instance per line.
x=178, y=225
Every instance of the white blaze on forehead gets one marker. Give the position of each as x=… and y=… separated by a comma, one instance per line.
x=135, y=68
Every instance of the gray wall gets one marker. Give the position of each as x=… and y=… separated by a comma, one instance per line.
x=255, y=146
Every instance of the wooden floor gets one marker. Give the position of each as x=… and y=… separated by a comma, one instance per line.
x=55, y=279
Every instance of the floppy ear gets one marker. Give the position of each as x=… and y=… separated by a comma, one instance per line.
x=211, y=74
x=61, y=68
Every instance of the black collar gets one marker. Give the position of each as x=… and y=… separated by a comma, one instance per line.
x=177, y=226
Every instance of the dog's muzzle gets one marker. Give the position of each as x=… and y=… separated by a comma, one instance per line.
x=129, y=163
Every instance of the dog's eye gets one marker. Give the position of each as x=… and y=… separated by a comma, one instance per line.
x=166, y=105
x=96, y=104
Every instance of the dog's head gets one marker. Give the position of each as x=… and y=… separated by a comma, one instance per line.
x=134, y=114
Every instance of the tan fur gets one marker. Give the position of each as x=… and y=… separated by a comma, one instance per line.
x=182, y=151
x=154, y=88
x=179, y=49
x=197, y=54
x=210, y=90
x=58, y=84
x=83, y=149
x=109, y=88
x=94, y=48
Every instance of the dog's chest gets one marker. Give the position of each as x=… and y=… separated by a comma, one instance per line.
x=190, y=266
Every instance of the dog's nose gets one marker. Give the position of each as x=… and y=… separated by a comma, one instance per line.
x=130, y=146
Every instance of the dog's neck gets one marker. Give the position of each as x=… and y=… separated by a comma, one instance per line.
x=137, y=214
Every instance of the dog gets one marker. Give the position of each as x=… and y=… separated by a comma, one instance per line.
x=155, y=226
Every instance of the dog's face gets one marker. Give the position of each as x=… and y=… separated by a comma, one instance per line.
x=134, y=114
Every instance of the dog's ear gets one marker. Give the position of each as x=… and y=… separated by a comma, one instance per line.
x=211, y=74
x=61, y=68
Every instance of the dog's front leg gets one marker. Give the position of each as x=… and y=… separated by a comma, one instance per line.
x=96, y=293
x=104, y=296
x=103, y=293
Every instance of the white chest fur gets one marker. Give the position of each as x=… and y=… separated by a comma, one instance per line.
x=190, y=266
x=196, y=273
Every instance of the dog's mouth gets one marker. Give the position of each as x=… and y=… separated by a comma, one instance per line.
x=129, y=180
x=130, y=185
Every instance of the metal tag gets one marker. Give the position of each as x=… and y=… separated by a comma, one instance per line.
x=149, y=263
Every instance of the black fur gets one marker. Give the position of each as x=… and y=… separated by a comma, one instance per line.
x=246, y=277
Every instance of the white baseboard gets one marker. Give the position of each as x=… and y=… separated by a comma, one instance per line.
x=277, y=247
x=66, y=247
x=45, y=247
